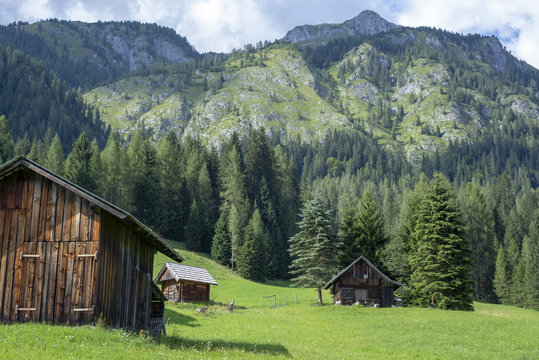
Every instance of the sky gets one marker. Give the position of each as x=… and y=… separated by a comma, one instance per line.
x=222, y=25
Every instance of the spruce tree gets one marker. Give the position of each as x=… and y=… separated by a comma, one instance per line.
x=114, y=164
x=441, y=264
x=501, y=277
x=174, y=198
x=197, y=229
x=146, y=204
x=479, y=223
x=6, y=140
x=54, y=160
x=221, y=243
x=251, y=261
x=371, y=238
x=348, y=237
x=530, y=257
x=313, y=249
x=78, y=164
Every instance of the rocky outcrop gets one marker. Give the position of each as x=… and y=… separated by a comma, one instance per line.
x=367, y=22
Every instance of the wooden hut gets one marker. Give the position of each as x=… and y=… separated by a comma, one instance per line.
x=184, y=282
x=69, y=257
x=362, y=281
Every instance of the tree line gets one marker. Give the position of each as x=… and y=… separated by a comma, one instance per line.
x=242, y=206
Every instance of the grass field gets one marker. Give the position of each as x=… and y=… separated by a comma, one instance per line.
x=303, y=330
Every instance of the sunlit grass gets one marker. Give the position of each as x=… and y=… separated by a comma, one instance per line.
x=303, y=330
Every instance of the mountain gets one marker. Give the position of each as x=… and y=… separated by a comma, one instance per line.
x=87, y=54
x=414, y=90
x=367, y=22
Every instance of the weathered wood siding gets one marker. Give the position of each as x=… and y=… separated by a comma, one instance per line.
x=186, y=291
x=125, y=268
x=48, y=241
x=64, y=261
x=362, y=277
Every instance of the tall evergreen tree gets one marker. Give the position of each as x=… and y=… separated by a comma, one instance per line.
x=530, y=258
x=174, y=197
x=78, y=164
x=146, y=205
x=6, y=140
x=501, y=277
x=479, y=222
x=221, y=243
x=55, y=158
x=251, y=260
x=313, y=249
x=370, y=224
x=348, y=238
x=197, y=235
x=442, y=262
x=114, y=171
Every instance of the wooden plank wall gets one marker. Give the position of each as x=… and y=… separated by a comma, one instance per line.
x=125, y=271
x=50, y=226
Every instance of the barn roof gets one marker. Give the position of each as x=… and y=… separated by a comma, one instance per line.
x=186, y=272
x=21, y=161
x=381, y=274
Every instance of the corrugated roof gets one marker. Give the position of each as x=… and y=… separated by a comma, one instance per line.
x=381, y=274
x=21, y=161
x=186, y=272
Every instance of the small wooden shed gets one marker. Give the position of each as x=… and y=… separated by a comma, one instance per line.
x=362, y=281
x=185, y=283
x=69, y=257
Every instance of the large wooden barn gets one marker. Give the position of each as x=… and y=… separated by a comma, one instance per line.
x=70, y=257
x=362, y=281
x=184, y=282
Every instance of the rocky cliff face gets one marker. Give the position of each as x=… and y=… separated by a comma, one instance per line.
x=367, y=22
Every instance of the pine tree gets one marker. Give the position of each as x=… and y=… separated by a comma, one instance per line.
x=55, y=157
x=501, y=277
x=233, y=194
x=530, y=257
x=197, y=229
x=78, y=164
x=221, y=243
x=174, y=197
x=96, y=167
x=114, y=164
x=313, y=249
x=6, y=140
x=370, y=224
x=251, y=261
x=479, y=223
x=146, y=205
x=348, y=238
x=442, y=262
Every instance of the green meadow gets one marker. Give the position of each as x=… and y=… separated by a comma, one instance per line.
x=299, y=330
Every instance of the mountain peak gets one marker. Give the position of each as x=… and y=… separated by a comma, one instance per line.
x=367, y=22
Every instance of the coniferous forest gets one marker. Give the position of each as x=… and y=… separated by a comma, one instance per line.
x=468, y=210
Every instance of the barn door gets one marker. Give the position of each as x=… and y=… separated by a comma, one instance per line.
x=387, y=296
x=27, y=290
x=84, y=271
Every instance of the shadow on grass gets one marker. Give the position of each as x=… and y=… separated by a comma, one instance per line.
x=176, y=342
x=179, y=318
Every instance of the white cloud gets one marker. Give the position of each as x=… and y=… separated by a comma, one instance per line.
x=220, y=25
x=35, y=10
x=515, y=22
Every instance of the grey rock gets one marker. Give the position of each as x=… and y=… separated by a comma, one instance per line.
x=367, y=22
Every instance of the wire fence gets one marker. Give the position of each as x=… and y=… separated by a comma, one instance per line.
x=275, y=300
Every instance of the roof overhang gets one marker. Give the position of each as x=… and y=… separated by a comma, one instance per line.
x=21, y=162
x=381, y=274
